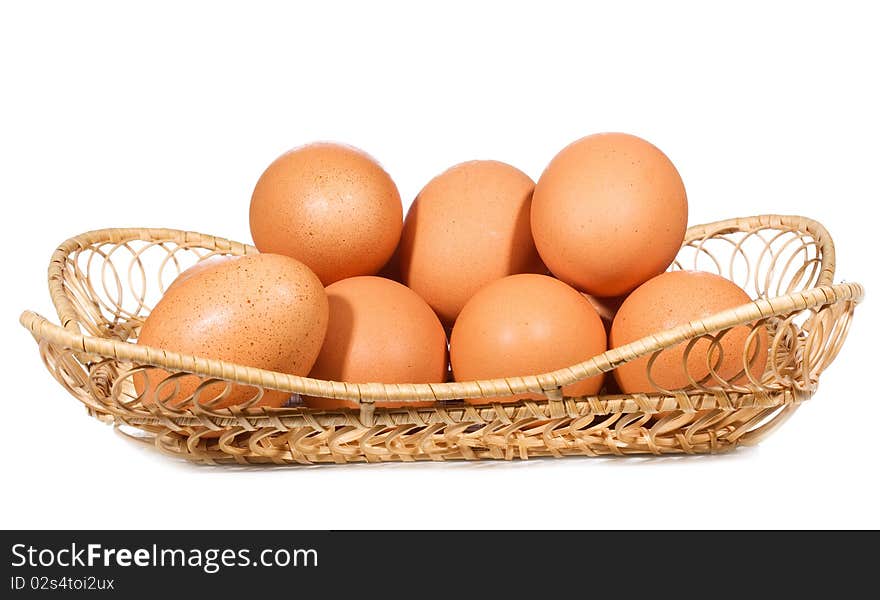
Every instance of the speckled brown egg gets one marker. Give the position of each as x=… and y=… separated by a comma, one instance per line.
x=265, y=311
x=609, y=212
x=209, y=262
x=379, y=331
x=673, y=299
x=467, y=227
x=330, y=206
x=526, y=325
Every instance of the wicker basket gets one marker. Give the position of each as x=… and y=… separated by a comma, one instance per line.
x=104, y=282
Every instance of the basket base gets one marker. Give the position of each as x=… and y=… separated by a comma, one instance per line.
x=711, y=431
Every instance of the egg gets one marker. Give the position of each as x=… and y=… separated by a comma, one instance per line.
x=330, y=206
x=608, y=213
x=672, y=299
x=203, y=265
x=467, y=227
x=379, y=331
x=265, y=311
x=526, y=324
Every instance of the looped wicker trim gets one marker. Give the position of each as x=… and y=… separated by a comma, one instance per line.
x=372, y=392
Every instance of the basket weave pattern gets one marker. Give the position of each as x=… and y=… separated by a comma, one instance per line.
x=103, y=284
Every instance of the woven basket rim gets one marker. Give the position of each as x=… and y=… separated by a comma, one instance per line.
x=549, y=384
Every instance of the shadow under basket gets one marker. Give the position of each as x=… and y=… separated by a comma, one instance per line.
x=103, y=284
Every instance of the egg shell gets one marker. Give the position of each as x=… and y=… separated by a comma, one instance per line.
x=467, y=227
x=209, y=262
x=672, y=299
x=330, y=206
x=265, y=311
x=608, y=213
x=526, y=324
x=379, y=331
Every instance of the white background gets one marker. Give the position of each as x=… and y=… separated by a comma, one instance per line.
x=165, y=115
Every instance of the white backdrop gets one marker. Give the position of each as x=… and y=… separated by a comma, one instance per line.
x=115, y=114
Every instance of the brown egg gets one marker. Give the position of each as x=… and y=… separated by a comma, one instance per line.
x=265, y=311
x=526, y=325
x=673, y=299
x=379, y=331
x=200, y=267
x=609, y=212
x=329, y=206
x=467, y=227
